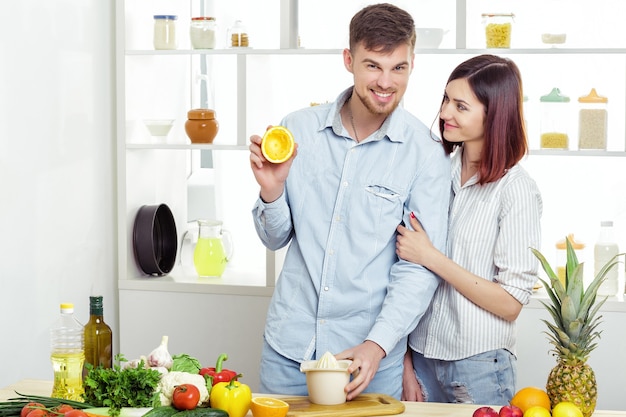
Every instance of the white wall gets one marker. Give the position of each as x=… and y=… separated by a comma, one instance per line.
x=57, y=199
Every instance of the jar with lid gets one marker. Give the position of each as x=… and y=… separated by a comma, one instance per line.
x=202, y=32
x=554, y=120
x=592, y=121
x=201, y=125
x=561, y=255
x=165, y=31
x=238, y=35
x=498, y=28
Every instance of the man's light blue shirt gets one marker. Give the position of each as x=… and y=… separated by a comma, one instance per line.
x=341, y=282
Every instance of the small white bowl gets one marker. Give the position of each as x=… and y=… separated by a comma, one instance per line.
x=553, y=38
x=326, y=386
x=159, y=128
x=429, y=38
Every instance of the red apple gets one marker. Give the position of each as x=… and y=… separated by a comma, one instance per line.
x=511, y=411
x=485, y=412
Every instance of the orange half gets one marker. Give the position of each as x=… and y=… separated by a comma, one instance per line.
x=268, y=407
x=277, y=144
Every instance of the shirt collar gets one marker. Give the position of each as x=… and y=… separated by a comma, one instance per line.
x=392, y=127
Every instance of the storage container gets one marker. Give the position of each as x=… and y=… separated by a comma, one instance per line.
x=498, y=28
x=592, y=121
x=165, y=31
x=554, y=120
x=67, y=355
x=202, y=32
x=238, y=35
x=201, y=125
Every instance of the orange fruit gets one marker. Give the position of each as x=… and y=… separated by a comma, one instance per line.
x=536, y=411
x=277, y=144
x=268, y=407
x=566, y=409
x=531, y=396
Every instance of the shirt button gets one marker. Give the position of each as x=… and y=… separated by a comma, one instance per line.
x=345, y=183
x=331, y=251
x=326, y=288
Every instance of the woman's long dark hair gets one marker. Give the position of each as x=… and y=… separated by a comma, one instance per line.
x=497, y=83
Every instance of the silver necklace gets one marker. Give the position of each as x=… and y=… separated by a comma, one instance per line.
x=356, y=136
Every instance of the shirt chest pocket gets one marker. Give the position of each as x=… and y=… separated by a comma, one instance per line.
x=385, y=200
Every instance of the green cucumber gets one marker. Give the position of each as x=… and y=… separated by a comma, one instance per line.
x=164, y=411
x=124, y=412
x=201, y=412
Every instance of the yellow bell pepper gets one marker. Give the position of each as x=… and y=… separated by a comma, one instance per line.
x=232, y=397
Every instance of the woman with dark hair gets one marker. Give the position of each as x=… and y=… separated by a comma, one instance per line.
x=463, y=349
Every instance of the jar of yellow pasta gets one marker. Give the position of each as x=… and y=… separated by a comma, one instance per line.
x=555, y=115
x=498, y=27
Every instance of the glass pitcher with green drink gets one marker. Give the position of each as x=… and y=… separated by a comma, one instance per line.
x=213, y=249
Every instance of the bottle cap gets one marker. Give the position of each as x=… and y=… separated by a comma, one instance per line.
x=593, y=97
x=67, y=307
x=575, y=245
x=554, y=96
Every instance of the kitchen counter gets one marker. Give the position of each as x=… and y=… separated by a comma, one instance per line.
x=39, y=387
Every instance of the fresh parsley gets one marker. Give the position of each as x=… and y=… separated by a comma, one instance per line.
x=116, y=387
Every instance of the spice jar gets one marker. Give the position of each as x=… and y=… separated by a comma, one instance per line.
x=164, y=32
x=498, y=27
x=202, y=32
x=592, y=121
x=554, y=120
x=201, y=125
x=238, y=35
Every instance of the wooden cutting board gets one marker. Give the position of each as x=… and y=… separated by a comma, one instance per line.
x=363, y=405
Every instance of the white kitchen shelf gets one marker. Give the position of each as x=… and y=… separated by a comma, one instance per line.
x=237, y=117
x=429, y=51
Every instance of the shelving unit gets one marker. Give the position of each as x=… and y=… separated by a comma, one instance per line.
x=256, y=86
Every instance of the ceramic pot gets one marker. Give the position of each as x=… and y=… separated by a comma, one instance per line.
x=201, y=126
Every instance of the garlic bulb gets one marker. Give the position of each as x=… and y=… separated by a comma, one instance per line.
x=160, y=356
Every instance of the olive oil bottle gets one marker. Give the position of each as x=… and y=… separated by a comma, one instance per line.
x=98, y=336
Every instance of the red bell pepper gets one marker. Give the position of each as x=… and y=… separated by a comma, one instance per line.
x=218, y=374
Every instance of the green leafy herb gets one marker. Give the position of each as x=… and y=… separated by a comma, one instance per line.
x=116, y=387
x=185, y=363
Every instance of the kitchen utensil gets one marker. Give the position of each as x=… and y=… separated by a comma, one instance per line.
x=159, y=128
x=155, y=241
x=326, y=385
x=209, y=245
x=370, y=404
x=429, y=37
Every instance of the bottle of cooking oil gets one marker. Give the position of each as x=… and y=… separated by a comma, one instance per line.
x=98, y=336
x=68, y=355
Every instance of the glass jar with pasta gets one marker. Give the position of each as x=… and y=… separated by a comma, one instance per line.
x=555, y=119
x=498, y=28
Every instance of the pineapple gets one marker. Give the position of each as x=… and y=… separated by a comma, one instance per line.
x=574, y=331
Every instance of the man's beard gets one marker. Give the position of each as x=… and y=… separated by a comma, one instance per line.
x=373, y=109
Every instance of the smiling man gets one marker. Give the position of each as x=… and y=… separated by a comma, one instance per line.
x=361, y=166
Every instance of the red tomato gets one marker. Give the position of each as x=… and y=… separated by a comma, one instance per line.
x=75, y=413
x=37, y=412
x=30, y=407
x=62, y=409
x=185, y=397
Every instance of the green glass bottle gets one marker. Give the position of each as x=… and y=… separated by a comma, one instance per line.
x=98, y=336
